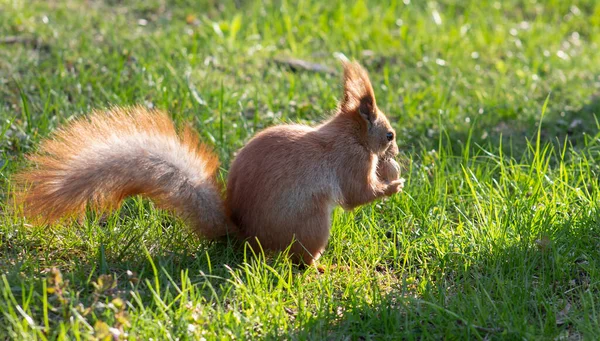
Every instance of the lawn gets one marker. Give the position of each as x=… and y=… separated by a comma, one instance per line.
x=496, y=235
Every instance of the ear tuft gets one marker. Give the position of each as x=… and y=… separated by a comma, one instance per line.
x=358, y=92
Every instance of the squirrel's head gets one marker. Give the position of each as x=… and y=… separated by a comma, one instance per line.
x=359, y=104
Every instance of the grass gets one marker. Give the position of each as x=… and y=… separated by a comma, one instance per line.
x=496, y=236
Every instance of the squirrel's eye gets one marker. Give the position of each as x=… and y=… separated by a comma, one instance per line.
x=390, y=136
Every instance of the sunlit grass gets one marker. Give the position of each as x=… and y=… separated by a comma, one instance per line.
x=496, y=235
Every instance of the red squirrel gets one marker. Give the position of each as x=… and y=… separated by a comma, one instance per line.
x=282, y=186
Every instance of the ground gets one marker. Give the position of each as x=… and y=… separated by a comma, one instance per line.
x=496, y=235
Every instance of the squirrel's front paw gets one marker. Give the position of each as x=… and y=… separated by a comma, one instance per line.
x=394, y=187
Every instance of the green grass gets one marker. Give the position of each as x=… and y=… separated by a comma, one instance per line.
x=496, y=236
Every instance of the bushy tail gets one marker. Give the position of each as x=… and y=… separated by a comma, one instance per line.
x=100, y=160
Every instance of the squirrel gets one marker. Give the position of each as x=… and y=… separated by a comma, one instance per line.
x=282, y=186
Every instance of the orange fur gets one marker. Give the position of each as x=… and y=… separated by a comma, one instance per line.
x=122, y=152
x=282, y=186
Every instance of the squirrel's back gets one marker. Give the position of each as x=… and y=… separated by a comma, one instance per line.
x=283, y=186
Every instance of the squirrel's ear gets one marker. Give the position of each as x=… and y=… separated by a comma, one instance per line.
x=366, y=109
x=358, y=92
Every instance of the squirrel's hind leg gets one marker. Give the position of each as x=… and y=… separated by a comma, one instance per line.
x=310, y=239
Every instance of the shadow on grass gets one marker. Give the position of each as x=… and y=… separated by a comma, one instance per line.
x=502, y=126
x=126, y=250
x=545, y=286
x=546, y=283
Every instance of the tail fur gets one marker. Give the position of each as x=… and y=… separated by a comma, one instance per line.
x=101, y=160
